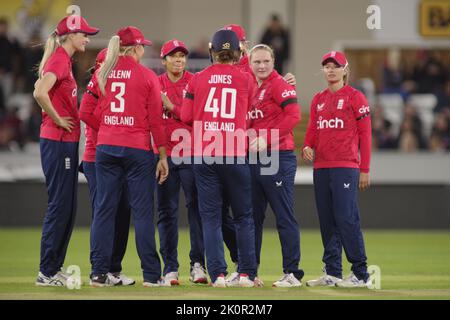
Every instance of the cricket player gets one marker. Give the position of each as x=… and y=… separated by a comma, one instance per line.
x=88, y=108
x=130, y=110
x=56, y=93
x=173, y=83
x=275, y=112
x=338, y=141
x=216, y=103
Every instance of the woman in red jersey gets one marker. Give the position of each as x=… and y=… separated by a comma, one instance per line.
x=173, y=83
x=130, y=110
x=56, y=93
x=274, y=114
x=216, y=103
x=338, y=141
x=88, y=107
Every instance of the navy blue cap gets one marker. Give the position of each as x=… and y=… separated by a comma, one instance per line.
x=224, y=40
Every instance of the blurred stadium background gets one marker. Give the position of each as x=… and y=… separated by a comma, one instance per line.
x=403, y=68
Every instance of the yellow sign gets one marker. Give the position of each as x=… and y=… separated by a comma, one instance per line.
x=27, y=17
x=435, y=18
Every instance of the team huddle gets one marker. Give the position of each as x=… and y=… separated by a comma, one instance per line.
x=224, y=135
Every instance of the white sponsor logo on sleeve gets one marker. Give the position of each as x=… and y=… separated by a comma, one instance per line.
x=288, y=93
x=364, y=109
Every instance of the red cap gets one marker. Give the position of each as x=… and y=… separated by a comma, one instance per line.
x=336, y=56
x=73, y=24
x=101, y=56
x=132, y=36
x=240, y=32
x=173, y=46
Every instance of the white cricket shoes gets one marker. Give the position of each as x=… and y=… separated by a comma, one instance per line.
x=198, y=274
x=233, y=280
x=324, y=281
x=220, y=282
x=287, y=281
x=54, y=281
x=119, y=278
x=171, y=279
x=353, y=282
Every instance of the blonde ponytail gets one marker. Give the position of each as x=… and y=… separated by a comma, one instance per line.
x=110, y=62
x=52, y=43
x=50, y=46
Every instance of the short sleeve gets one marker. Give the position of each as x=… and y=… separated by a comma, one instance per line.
x=57, y=66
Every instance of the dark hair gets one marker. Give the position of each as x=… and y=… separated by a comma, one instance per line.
x=226, y=56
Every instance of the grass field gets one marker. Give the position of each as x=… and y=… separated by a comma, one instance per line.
x=414, y=265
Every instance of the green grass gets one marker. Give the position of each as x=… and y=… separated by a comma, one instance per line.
x=414, y=265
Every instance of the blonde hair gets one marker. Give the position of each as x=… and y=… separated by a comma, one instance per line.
x=262, y=47
x=112, y=55
x=347, y=75
x=52, y=43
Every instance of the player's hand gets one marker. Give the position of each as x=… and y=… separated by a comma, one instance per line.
x=66, y=123
x=364, y=181
x=258, y=144
x=290, y=78
x=308, y=154
x=166, y=102
x=162, y=170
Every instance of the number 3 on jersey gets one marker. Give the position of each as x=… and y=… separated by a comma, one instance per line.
x=212, y=103
x=118, y=86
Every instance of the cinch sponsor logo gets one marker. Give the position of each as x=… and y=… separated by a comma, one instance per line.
x=255, y=114
x=364, y=109
x=335, y=123
x=287, y=93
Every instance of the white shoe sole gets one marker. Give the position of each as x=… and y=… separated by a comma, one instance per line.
x=39, y=284
x=286, y=286
x=320, y=285
x=150, y=285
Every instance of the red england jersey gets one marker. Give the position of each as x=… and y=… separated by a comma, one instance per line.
x=131, y=107
x=216, y=104
x=88, y=109
x=63, y=96
x=175, y=92
x=275, y=107
x=244, y=65
x=339, y=129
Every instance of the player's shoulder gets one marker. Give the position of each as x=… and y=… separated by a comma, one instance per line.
x=188, y=75
x=320, y=95
x=59, y=60
x=278, y=83
x=162, y=76
x=354, y=93
x=60, y=54
x=278, y=80
x=147, y=73
x=202, y=73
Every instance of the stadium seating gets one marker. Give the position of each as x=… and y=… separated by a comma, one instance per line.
x=424, y=104
x=393, y=109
